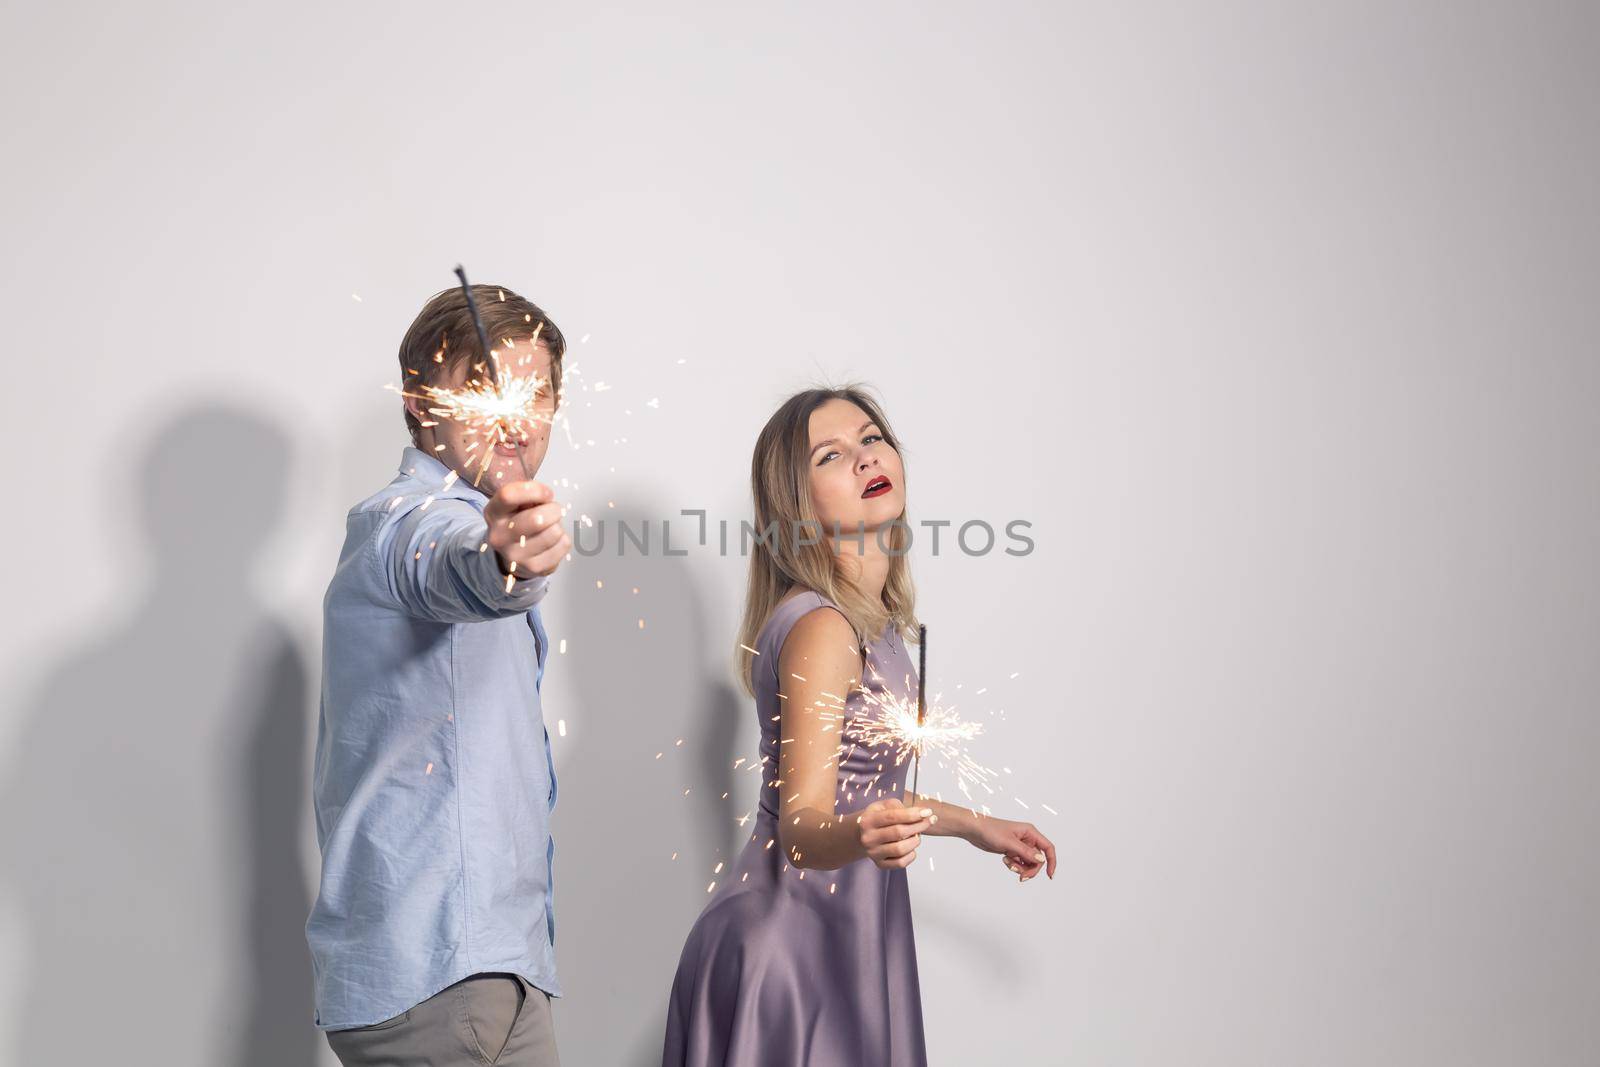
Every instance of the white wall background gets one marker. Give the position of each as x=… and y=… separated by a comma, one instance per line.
x=1277, y=321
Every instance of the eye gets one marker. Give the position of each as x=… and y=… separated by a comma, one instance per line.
x=825, y=457
x=872, y=438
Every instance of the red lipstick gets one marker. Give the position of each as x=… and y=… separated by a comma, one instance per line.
x=877, y=487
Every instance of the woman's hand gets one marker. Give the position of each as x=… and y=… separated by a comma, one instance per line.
x=889, y=832
x=1021, y=846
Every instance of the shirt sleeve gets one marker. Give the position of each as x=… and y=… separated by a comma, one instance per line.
x=429, y=551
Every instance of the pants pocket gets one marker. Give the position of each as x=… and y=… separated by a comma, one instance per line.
x=361, y=1046
x=491, y=1005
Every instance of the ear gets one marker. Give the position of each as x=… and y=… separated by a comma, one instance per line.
x=414, y=406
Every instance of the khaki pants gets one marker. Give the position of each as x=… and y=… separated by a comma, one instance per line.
x=485, y=1019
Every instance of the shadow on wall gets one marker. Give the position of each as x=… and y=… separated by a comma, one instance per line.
x=623, y=904
x=158, y=793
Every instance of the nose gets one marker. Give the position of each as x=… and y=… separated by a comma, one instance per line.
x=868, y=461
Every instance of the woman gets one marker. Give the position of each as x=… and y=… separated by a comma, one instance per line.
x=804, y=954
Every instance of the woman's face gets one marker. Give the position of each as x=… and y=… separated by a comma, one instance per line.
x=856, y=477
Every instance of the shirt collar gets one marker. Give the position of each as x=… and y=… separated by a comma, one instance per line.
x=415, y=463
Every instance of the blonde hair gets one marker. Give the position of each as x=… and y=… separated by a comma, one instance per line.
x=780, y=482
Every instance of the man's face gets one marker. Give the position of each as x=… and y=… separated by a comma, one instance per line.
x=465, y=446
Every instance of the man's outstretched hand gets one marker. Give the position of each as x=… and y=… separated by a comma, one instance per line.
x=525, y=529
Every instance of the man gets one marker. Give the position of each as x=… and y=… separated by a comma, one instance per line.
x=432, y=937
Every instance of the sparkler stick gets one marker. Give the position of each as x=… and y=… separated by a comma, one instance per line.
x=922, y=704
x=483, y=341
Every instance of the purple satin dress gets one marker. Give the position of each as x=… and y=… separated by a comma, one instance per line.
x=786, y=967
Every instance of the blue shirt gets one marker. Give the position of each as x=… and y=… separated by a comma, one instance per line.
x=434, y=782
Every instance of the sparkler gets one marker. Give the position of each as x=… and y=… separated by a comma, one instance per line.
x=496, y=411
x=922, y=706
x=910, y=728
x=940, y=733
x=506, y=412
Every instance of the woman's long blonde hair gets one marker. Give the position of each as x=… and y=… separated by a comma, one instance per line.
x=780, y=481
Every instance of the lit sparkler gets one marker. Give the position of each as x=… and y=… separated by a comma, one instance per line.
x=922, y=706
x=911, y=727
x=495, y=409
x=908, y=731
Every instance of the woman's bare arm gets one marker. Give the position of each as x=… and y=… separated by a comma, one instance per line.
x=818, y=666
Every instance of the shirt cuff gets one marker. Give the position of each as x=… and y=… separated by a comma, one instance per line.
x=523, y=593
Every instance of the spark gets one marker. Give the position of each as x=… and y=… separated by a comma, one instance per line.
x=496, y=407
x=941, y=736
x=494, y=410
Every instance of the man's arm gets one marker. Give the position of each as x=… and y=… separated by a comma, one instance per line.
x=447, y=563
